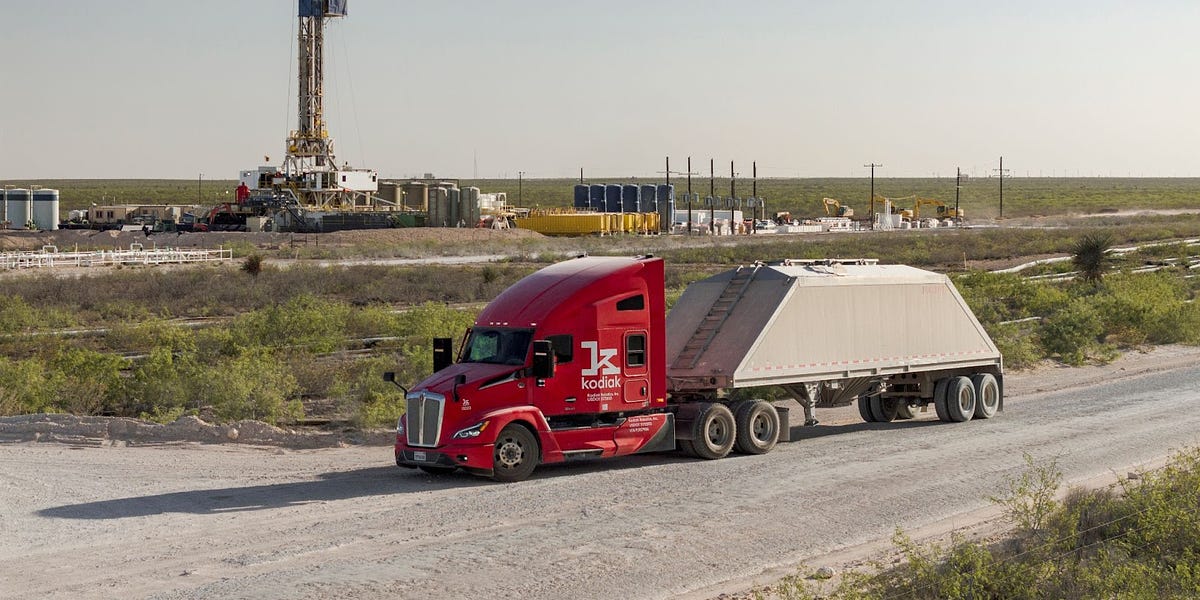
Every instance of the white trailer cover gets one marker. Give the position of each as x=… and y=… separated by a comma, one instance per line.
x=807, y=321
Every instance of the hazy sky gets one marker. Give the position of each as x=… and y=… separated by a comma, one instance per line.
x=168, y=89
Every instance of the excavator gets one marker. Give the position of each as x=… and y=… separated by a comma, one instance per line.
x=943, y=212
x=838, y=209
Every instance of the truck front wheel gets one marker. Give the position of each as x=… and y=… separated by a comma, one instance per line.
x=515, y=455
x=713, y=432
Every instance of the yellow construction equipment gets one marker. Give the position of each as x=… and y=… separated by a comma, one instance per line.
x=943, y=212
x=838, y=209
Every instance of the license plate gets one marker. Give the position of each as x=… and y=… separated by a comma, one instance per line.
x=419, y=456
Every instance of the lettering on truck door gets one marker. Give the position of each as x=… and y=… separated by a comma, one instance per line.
x=601, y=381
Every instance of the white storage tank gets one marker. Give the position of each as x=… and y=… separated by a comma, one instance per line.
x=45, y=209
x=19, y=210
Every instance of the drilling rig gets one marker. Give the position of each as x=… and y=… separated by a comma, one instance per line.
x=309, y=182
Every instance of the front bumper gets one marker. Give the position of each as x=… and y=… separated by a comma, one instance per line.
x=475, y=458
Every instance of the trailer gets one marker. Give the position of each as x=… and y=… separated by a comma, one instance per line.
x=581, y=360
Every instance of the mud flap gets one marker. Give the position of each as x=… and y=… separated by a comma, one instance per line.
x=664, y=440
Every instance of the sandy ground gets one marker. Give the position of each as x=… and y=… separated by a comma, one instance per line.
x=217, y=520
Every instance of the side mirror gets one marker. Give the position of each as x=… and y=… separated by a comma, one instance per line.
x=443, y=353
x=543, y=359
x=389, y=376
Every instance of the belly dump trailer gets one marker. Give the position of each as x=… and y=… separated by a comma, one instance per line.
x=581, y=359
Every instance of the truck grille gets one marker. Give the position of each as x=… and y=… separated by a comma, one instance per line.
x=424, y=419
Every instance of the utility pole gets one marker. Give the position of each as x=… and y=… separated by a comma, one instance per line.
x=1001, y=171
x=520, y=177
x=754, y=194
x=199, y=185
x=957, y=189
x=669, y=170
x=689, y=176
x=872, y=165
x=580, y=174
x=712, y=192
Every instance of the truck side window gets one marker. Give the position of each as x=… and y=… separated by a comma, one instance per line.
x=637, y=302
x=635, y=350
x=564, y=349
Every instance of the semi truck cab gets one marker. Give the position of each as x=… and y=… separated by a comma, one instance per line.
x=567, y=363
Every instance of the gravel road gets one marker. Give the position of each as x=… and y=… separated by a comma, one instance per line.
x=225, y=521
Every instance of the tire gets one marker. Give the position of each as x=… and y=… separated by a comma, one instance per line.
x=907, y=411
x=864, y=409
x=884, y=409
x=987, y=395
x=939, y=399
x=515, y=455
x=432, y=470
x=713, y=432
x=960, y=400
x=757, y=427
x=687, y=448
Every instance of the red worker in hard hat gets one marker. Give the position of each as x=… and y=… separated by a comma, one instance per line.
x=243, y=193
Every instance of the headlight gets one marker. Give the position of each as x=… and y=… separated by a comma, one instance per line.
x=471, y=432
x=400, y=426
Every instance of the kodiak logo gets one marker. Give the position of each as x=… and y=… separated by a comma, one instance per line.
x=602, y=366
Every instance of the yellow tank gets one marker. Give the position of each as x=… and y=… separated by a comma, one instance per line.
x=557, y=223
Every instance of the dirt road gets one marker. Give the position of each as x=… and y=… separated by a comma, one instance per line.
x=224, y=521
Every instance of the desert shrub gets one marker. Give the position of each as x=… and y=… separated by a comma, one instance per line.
x=1146, y=308
x=1073, y=332
x=252, y=385
x=25, y=387
x=86, y=382
x=996, y=297
x=164, y=385
x=16, y=314
x=304, y=321
x=368, y=399
x=1017, y=345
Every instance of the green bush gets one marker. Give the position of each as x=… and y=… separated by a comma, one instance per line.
x=252, y=385
x=1073, y=333
x=16, y=314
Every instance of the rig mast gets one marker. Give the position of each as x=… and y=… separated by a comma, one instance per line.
x=310, y=177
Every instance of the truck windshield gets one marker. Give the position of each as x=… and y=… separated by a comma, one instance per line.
x=498, y=346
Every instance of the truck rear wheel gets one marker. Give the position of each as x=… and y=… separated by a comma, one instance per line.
x=987, y=395
x=939, y=399
x=713, y=432
x=757, y=427
x=960, y=399
x=864, y=409
x=515, y=455
x=884, y=409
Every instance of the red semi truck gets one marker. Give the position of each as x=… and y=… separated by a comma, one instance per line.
x=581, y=359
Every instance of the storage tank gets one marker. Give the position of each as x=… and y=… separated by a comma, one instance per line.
x=666, y=206
x=19, y=209
x=631, y=198
x=416, y=196
x=455, y=207
x=45, y=209
x=649, y=201
x=469, y=206
x=582, y=196
x=438, y=202
x=596, y=197
x=612, y=198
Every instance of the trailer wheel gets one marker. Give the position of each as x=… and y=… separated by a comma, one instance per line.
x=939, y=399
x=515, y=455
x=987, y=395
x=960, y=399
x=907, y=411
x=757, y=427
x=884, y=409
x=713, y=431
x=864, y=409
x=432, y=470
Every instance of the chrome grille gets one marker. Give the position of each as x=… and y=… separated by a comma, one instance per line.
x=424, y=419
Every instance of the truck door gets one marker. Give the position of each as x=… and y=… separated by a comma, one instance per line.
x=637, y=382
